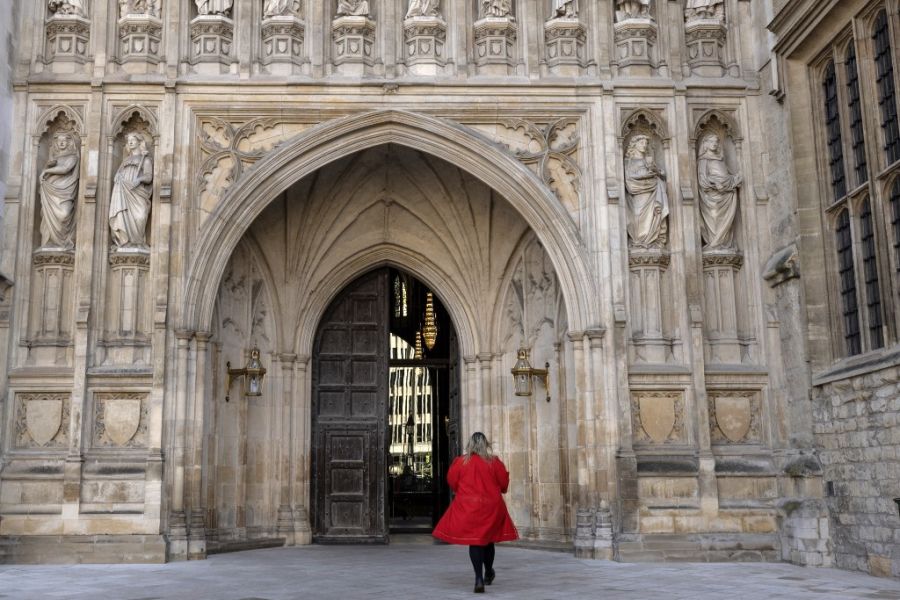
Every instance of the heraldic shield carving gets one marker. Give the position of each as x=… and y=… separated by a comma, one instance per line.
x=734, y=415
x=43, y=418
x=121, y=418
x=657, y=416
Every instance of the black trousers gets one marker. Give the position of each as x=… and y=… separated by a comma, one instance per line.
x=482, y=558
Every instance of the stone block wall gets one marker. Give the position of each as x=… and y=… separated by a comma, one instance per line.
x=857, y=427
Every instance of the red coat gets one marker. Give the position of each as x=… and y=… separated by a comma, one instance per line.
x=477, y=516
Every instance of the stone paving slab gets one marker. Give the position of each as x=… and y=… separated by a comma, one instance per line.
x=414, y=571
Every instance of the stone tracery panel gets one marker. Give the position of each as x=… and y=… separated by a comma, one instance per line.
x=120, y=420
x=42, y=420
x=658, y=417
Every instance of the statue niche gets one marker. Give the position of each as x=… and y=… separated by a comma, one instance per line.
x=59, y=189
x=648, y=202
x=129, y=206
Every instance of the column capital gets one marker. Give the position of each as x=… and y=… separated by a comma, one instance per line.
x=184, y=334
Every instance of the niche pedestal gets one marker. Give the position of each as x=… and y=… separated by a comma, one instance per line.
x=425, y=41
x=282, y=44
x=212, y=37
x=51, y=310
x=354, y=44
x=68, y=37
x=720, y=269
x=705, y=40
x=127, y=339
x=565, y=39
x=635, y=42
x=647, y=266
x=495, y=45
x=139, y=40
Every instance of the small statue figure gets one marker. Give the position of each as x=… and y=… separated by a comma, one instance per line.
x=567, y=9
x=59, y=189
x=68, y=7
x=648, y=202
x=279, y=8
x=632, y=9
x=129, y=206
x=695, y=10
x=423, y=8
x=353, y=8
x=139, y=7
x=718, y=195
x=495, y=8
x=214, y=7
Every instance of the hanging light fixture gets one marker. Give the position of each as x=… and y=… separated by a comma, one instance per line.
x=430, y=330
x=419, y=355
x=523, y=372
x=253, y=375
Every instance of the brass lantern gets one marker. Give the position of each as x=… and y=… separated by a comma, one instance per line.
x=253, y=375
x=523, y=372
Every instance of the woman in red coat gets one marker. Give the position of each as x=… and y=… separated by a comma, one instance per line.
x=477, y=517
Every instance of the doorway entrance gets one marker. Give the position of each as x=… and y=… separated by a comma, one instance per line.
x=385, y=410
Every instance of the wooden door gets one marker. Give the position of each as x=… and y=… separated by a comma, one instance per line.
x=349, y=412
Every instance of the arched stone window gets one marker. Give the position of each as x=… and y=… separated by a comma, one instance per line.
x=860, y=165
x=833, y=127
x=887, y=98
x=894, y=201
x=847, y=272
x=870, y=273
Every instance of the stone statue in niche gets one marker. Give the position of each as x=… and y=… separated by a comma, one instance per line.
x=696, y=10
x=59, y=188
x=68, y=7
x=279, y=8
x=648, y=202
x=495, y=8
x=567, y=9
x=139, y=7
x=423, y=8
x=353, y=8
x=214, y=7
x=718, y=194
x=129, y=207
x=632, y=9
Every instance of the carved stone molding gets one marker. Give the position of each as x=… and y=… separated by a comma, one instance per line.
x=658, y=417
x=425, y=41
x=723, y=259
x=495, y=45
x=120, y=420
x=565, y=40
x=42, y=420
x=649, y=257
x=734, y=417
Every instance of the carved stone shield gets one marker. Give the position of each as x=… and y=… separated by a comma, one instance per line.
x=121, y=418
x=657, y=416
x=43, y=419
x=733, y=415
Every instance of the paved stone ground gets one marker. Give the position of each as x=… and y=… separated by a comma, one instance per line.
x=407, y=571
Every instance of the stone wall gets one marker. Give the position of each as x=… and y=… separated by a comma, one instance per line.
x=7, y=57
x=857, y=427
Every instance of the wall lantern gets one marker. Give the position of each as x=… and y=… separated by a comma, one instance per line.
x=523, y=372
x=253, y=375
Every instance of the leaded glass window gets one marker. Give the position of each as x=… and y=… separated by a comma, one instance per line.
x=860, y=166
x=870, y=270
x=833, y=127
x=895, y=220
x=887, y=100
x=847, y=275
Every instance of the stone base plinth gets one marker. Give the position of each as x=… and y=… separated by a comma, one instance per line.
x=282, y=43
x=425, y=40
x=127, y=337
x=302, y=529
x=354, y=44
x=212, y=37
x=720, y=268
x=646, y=267
x=635, y=46
x=705, y=39
x=564, y=39
x=139, y=40
x=50, y=319
x=495, y=45
x=82, y=549
x=68, y=38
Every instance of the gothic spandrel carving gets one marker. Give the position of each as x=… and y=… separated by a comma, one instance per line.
x=59, y=190
x=718, y=194
x=648, y=202
x=129, y=207
x=214, y=7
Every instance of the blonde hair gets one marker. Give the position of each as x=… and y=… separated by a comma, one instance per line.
x=479, y=444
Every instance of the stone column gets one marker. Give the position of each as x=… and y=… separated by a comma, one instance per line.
x=564, y=43
x=720, y=269
x=635, y=46
x=602, y=448
x=301, y=443
x=283, y=416
x=470, y=409
x=647, y=266
x=194, y=462
x=584, y=515
x=425, y=45
x=178, y=532
x=495, y=45
x=354, y=44
x=486, y=401
x=282, y=44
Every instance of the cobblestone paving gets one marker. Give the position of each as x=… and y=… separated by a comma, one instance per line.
x=407, y=571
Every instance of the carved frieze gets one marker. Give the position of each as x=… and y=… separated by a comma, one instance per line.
x=658, y=417
x=42, y=420
x=734, y=417
x=120, y=420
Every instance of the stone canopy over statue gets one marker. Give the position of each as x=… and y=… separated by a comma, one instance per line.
x=67, y=7
x=718, y=195
x=495, y=8
x=423, y=8
x=280, y=8
x=129, y=206
x=632, y=9
x=648, y=202
x=353, y=8
x=214, y=7
x=695, y=10
x=59, y=189
x=565, y=8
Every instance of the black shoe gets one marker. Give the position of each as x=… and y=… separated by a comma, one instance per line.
x=479, y=587
x=489, y=577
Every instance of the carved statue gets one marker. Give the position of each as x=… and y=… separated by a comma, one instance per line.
x=718, y=194
x=704, y=9
x=565, y=8
x=67, y=7
x=632, y=9
x=355, y=8
x=59, y=188
x=423, y=8
x=129, y=207
x=214, y=7
x=495, y=8
x=648, y=202
x=139, y=7
x=278, y=8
